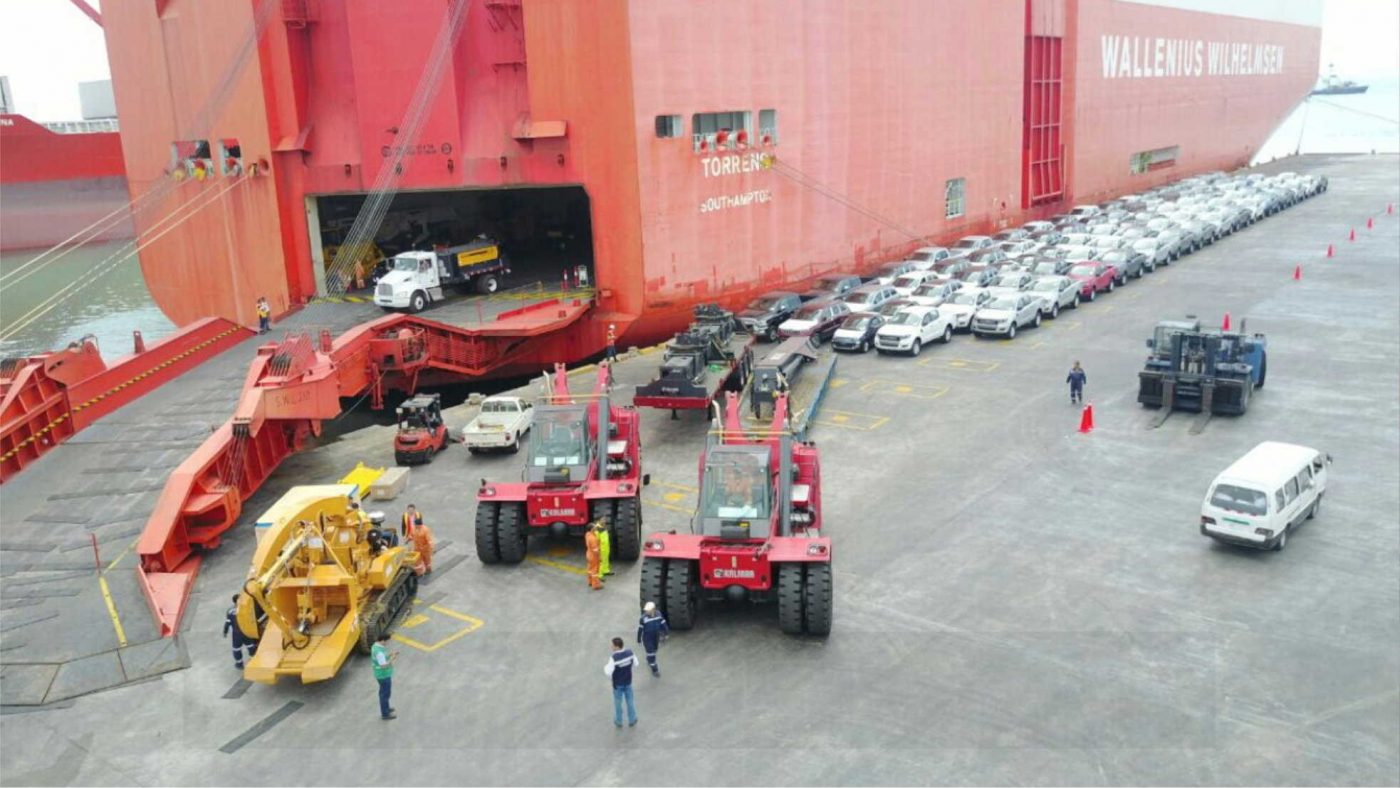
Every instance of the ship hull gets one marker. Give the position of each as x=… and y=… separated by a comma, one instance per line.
x=54, y=185
x=869, y=131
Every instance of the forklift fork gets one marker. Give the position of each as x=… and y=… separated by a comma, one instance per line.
x=1168, y=402
x=1207, y=406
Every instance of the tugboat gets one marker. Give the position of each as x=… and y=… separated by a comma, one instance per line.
x=1331, y=86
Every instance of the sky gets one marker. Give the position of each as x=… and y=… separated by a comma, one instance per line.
x=48, y=46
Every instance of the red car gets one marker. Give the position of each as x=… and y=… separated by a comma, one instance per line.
x=1093, y=277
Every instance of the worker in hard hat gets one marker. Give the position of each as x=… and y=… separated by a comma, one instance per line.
x=591, y=552
x=240, y=641
x=604, y=548
x=264, y=316
x=651, y=631
x=411, y=517
x=422, y=537
x=612, y=341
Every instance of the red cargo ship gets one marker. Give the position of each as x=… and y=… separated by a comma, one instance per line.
x=58, y=179
x=685, y=152
x=681, y=152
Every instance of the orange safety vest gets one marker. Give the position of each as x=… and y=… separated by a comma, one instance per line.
x=409, y=523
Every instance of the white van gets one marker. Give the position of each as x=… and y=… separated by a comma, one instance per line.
x=1264, y=495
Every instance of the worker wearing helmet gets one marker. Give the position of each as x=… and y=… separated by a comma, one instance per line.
x=422, y=536
x=591, y=552
x=604, y=548
x=612, y=341
x=240, y=641
x=651, y=632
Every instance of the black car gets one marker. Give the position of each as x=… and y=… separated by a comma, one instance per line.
x=832, y=285
x=857, y=332
x=764, y=314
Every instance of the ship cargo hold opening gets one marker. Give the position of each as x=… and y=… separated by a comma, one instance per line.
x=542, y=231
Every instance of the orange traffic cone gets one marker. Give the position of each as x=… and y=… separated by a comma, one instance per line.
x=1370, y=223
x=1352, y=237
x=1297, y=272
x=1086, y=419
x=1330, y=251
x=1225, y=325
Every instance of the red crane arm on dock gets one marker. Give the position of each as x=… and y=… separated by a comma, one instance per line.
x=296, y=385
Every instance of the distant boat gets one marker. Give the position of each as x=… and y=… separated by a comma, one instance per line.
x=1330, y=85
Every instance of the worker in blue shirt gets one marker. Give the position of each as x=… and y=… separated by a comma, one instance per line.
x=239, y=639
x=651, y=630
x=619, y=669
x=1076, y=380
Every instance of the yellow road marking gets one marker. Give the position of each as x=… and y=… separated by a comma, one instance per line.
x=671, y=507
x=837, y=383
x=578, y=570
x=121, y=555
x=112, y=611
x=675, y=486
x=917, y=390
x=674, y=496
x=472, y=625
x=850, y=420
x=959, y=363
x=559, y=552
x=414, y=620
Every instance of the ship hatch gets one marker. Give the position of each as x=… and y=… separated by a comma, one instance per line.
x=542, y=231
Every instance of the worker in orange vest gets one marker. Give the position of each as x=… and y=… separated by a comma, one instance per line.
x=592, y=551
x=422, y=536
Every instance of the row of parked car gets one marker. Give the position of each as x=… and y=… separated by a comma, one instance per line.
x=996, y=285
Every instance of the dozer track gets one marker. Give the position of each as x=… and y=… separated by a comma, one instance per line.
x=378, y=616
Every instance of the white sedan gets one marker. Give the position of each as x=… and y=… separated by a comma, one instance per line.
x=911, y=328
x=1005, y=314
x=906, y=283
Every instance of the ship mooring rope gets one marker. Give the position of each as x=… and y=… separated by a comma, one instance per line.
x=802, y=179
x=112, y=261
x=376, y=204
x=1357, y=111
x=199, y=126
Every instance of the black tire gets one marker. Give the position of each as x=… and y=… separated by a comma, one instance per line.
x=791, y=578
x=1075, y=305
x=1317, y=505
x=512, y=533
x=473, y=450
x=1094, y=294
x=411, y=585
x=1055, y=310
x=1263, y=370
x=418, y=302
x=1112, y=283
x=605, y=509
x=817, y=600
x=515, y=445
x=653, y=588
x=627, y=538
x=682, y=603
x=947, y=334
x=864, y=346
x=488, y=284
x=1282, y=540
x=487, y=546
x=1011, y=332
x=917, y=348
x=771, y=333
x=1037, y=319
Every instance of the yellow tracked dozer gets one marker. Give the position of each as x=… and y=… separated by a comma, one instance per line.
x=322, y=582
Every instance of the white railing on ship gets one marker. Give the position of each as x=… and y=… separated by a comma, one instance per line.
x=82, y=126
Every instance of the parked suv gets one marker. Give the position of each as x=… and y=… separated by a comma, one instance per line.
x=764, y=314
x=832, y=285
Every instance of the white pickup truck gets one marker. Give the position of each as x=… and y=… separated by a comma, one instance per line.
x=500, y=424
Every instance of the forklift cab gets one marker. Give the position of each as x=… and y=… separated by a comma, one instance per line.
x=737, y=494
x=423, y=412
x=561, y=449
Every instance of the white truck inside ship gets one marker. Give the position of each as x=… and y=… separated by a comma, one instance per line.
x=417, y=279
